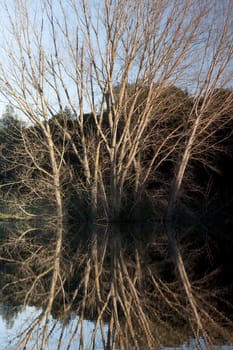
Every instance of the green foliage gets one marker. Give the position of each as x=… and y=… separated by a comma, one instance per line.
x=10, y=141
x=10, y=119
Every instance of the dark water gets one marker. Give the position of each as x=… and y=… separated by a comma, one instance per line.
x=117, y=288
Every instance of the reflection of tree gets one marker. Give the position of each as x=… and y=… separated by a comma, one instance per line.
x=9, y=313
x=126, y=286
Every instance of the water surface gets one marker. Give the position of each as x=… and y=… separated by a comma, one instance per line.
x=117, y=289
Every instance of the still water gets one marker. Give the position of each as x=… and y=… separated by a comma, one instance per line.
x=11, y=329
x=115, y=288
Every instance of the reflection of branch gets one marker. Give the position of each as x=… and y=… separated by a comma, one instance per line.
x=26, y=212
x=139, y=311
x=38, y=278
x=108, y=280
x=55, y=276
x=26, y=334
x=171, y=299
x=179, y=264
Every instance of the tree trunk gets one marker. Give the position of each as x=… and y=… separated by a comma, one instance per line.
x=182, y=166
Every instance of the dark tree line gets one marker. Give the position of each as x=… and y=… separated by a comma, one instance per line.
x=208, y=179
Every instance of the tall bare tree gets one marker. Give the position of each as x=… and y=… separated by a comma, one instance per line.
x=76, y=54
x=213, y=72
x=113, y=60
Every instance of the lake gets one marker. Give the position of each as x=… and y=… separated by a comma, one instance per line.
x=116, y=287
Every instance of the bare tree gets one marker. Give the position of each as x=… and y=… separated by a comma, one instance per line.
x=141, y=43
x=213, y=73
x=25, y=84
x=76, y=55
x=114, y=61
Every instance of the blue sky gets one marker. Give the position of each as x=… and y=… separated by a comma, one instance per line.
x=189, y=74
